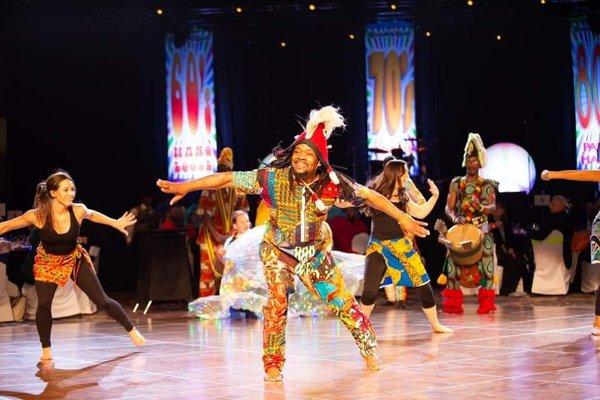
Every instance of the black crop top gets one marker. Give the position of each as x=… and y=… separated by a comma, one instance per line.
x=61, y=244
x=384, y=227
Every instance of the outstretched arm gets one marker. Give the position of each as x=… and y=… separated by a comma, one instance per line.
x=421, y=210
x=572, y=175
x=21, y=221
x=121, y=224
x=219, y=180
x=409, y=225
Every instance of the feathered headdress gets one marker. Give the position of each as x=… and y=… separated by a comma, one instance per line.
x=319, y=127
x=475, y=148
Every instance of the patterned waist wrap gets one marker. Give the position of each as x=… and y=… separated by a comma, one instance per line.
x=58, y=268
x=404, y=265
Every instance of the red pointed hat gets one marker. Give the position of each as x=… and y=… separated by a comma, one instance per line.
x=321, y=124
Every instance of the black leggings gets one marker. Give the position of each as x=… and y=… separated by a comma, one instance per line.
x=598, y=302
x=89, y=283
x=375, y=267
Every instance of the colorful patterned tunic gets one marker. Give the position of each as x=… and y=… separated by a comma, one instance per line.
x=470, y=196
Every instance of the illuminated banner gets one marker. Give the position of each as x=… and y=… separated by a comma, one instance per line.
x=191, y=135
x=391, y=89
x=585, y=47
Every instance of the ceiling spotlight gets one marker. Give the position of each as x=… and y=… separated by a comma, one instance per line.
x=283, y=44
x=238, y=9
x=470, y=3
x=393, y=6
x=159, y=11
x=498, y=37
x=312, y=7
x=542, y=1
x=351, y=36
x=428, y=34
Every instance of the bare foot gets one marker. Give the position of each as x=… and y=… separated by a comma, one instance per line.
x=373, y=363
x=596, y=331
x=273, y=375
x=442, y=329
x=136, y=337
x=45, y=362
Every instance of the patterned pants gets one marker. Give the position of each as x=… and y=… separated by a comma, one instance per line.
x=486, y=267
x=327, y=283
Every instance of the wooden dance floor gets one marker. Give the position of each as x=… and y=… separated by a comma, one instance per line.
x=532, y=348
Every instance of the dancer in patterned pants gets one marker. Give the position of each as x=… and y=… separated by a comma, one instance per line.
x=299, y=187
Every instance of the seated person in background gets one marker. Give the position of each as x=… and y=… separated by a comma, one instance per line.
x=240, y=223
x=560, y=220
x=146, y=216
x=344, y=229
x=515, y=266
x=174, y=219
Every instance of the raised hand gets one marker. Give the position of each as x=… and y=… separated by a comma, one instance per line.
x=435, y=192
x=126, y=220
x=176, y=188
x=545, y=175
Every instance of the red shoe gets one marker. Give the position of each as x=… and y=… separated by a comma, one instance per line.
x=452, y=301
x=486, y=301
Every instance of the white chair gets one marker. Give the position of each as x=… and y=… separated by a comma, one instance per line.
x=64, y=304
x=590, y=277
x=6, y=313
x=551, y=276
x=573, y=269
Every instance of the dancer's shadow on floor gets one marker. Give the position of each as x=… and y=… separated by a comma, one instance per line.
x=582, y=351
x=58, y=386
x=428, y=344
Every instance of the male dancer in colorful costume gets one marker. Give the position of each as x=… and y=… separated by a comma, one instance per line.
x=299, y=187
x=470, y=200
x=215, y=207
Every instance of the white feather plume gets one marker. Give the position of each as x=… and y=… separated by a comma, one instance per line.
x=328, y=115
x=481, y=152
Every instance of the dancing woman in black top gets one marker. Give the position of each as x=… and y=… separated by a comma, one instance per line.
x=391, y=258
x=59, y=257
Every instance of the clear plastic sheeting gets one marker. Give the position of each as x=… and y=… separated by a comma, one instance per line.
x=243, y=286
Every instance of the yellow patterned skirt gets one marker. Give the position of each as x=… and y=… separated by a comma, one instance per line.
x=404, y=265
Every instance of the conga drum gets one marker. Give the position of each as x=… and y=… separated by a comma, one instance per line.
x=466, y=244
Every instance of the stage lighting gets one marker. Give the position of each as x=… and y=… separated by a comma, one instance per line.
x=510, y=165
x=428, y=34
x=542, y=1
x=239, y=9
x=312, y=7
x=498, y=37
x=470, y=3
x=351, y=36
x=159, y=11
x=393, y=7
x=282, y=44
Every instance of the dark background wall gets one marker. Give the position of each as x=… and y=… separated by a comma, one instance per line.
x=84, y=89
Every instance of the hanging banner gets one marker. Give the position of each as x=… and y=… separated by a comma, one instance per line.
x=191, y=131
x=391, y=91
x=585, y=49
